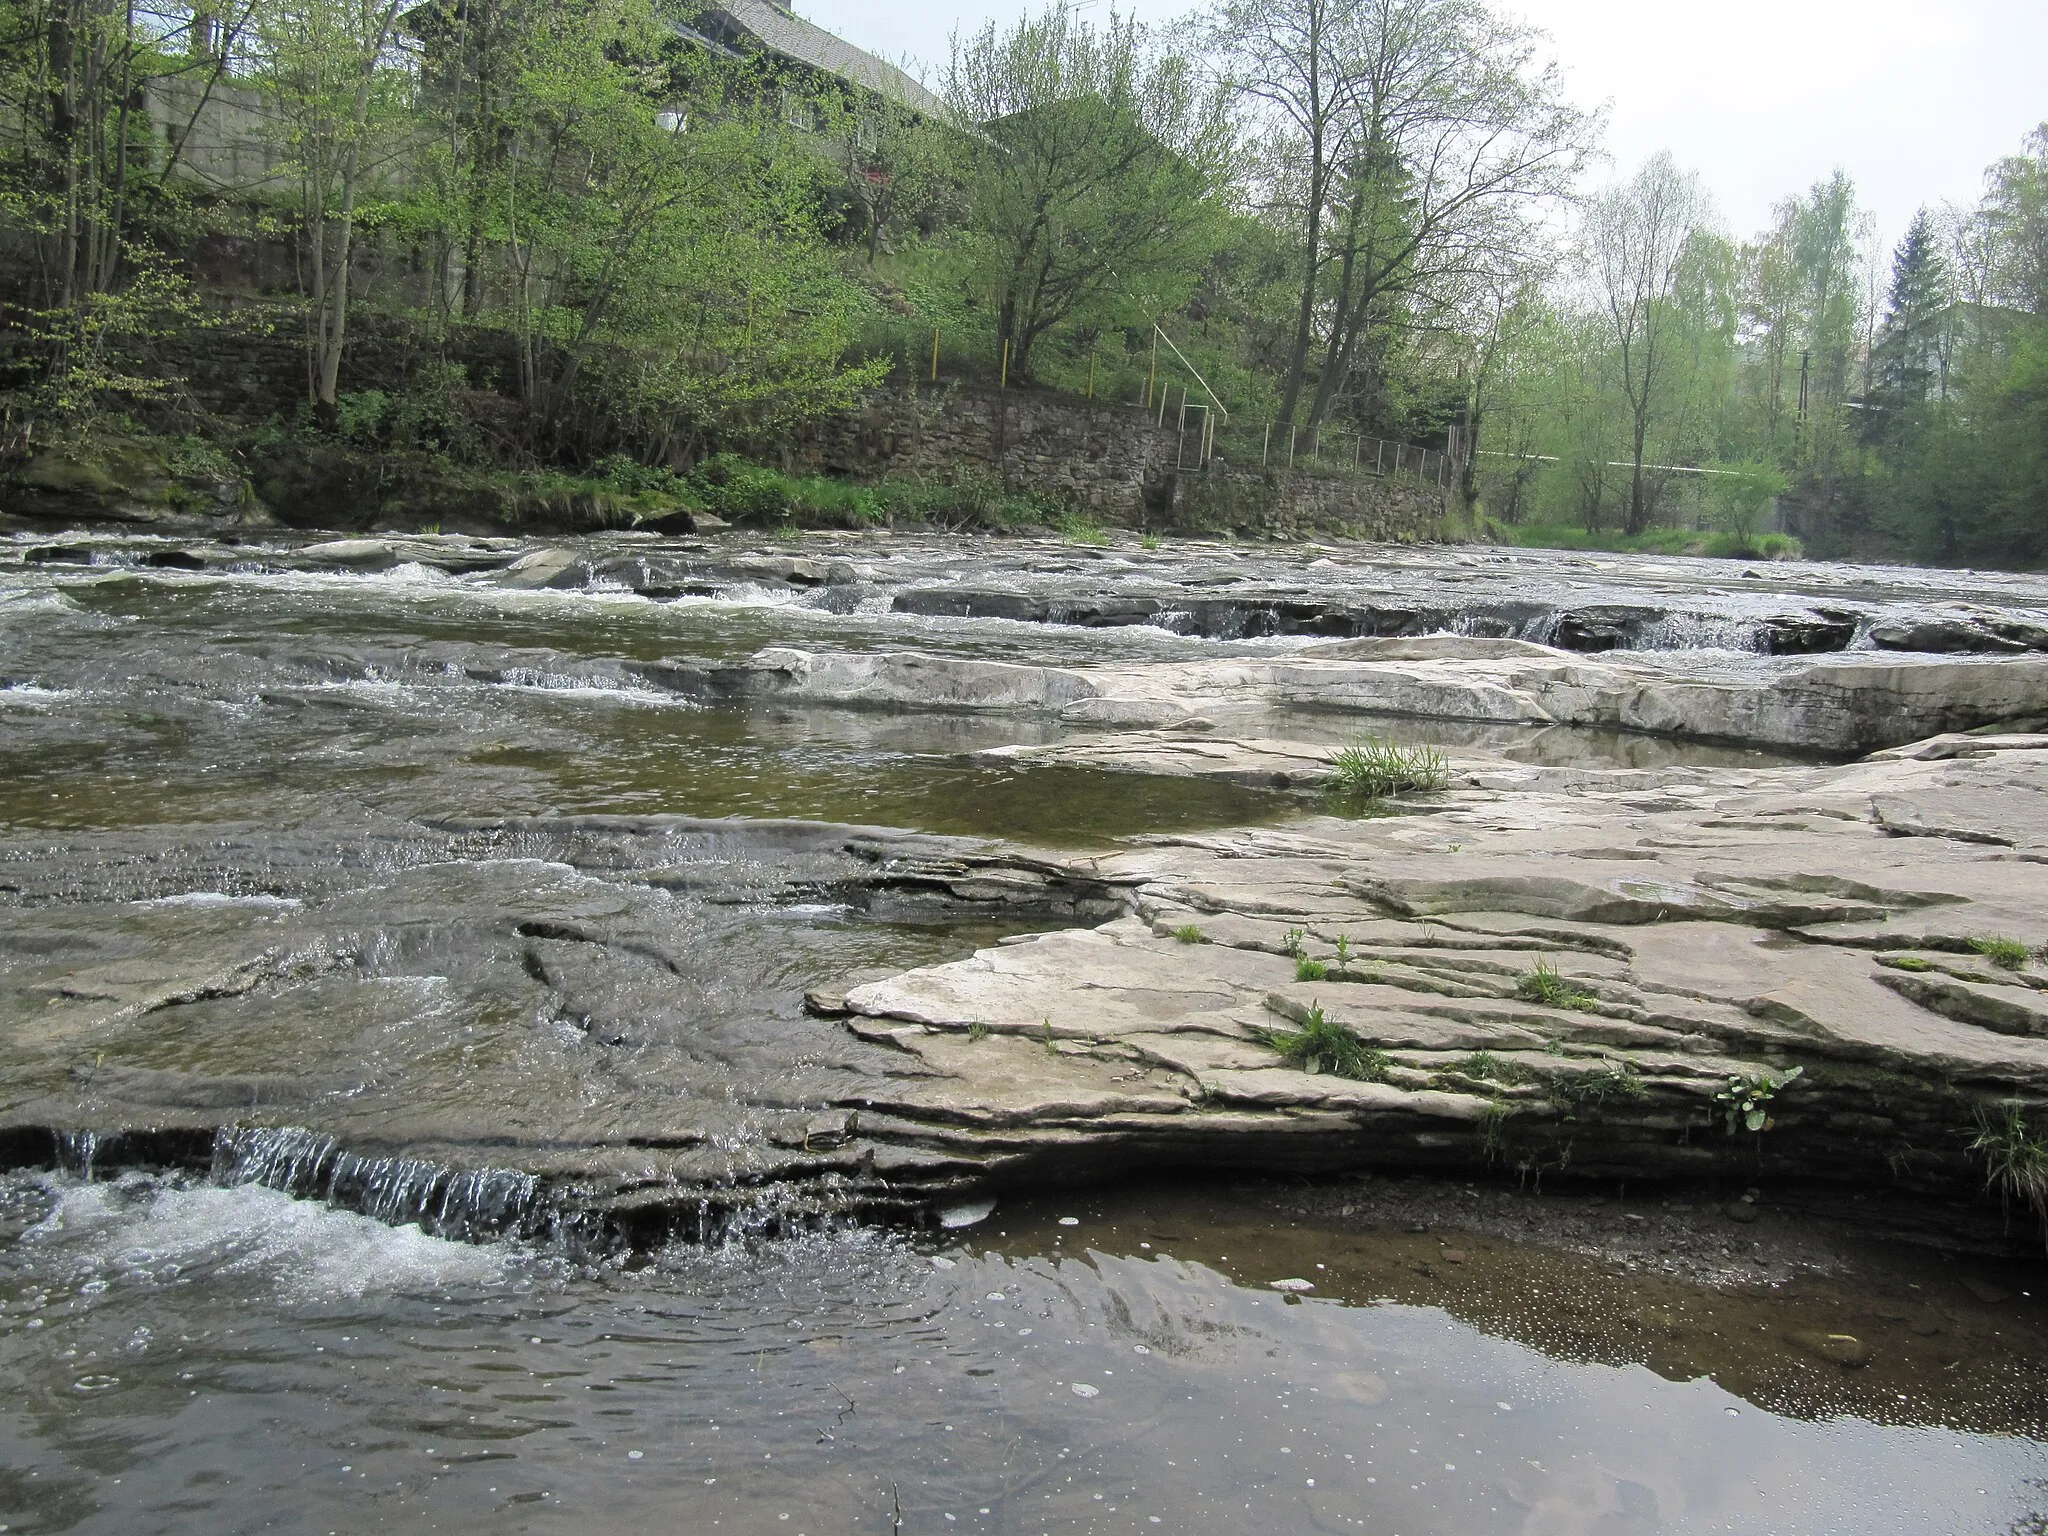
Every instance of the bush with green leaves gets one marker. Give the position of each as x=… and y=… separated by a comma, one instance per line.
x=1745, y=1102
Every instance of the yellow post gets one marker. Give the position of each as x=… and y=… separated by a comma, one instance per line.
x=1152, y=369
x=1091, y=375
x=1005, y=384
x=935, y=354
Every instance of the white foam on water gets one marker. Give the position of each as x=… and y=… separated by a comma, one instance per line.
x=222, y=899
x=144, y=1229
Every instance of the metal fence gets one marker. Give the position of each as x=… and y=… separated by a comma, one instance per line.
x=1334, y=451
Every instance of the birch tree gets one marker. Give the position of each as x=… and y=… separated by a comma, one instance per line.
x=1635, y=244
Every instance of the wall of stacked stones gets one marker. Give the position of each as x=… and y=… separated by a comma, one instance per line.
x=1109, y=460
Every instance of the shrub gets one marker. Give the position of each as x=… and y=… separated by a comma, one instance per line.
x=1188, y=933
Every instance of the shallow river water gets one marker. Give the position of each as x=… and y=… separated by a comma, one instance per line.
x=194, y=757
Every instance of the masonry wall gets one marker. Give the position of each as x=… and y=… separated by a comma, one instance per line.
x=1111, y=460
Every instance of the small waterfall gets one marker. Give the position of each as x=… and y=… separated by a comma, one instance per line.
x=470, y=1204
x=1701, y=632
x=76, y=1151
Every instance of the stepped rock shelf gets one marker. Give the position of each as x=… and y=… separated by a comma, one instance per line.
x=351, y=866
x=1705, y=926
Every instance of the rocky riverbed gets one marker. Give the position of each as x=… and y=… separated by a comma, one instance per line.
x=467, y=1003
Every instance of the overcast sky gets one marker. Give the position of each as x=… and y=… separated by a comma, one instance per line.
x=1760, y=96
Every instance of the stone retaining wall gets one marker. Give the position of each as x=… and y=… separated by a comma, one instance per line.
x=1110, y=460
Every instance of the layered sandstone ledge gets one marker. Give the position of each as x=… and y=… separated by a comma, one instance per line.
x=1720, y=927
x=1835, y=705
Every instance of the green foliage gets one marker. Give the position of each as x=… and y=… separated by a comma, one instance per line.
x=1080, y=127
x=1544, y=985
x=1321, y=1045
x=1373, y=767
x=2005, y=953
x=1188, y=933
x=2015, y=1156
x=1573, y=1092
x=1493, y=1119
x=1490, y=1068
x=1745, y=1100
x=977, y=1032
x=1076, y=529
x=1306, y=969
x=1905, y=963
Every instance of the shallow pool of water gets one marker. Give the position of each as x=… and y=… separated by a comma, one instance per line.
x=187, y=1357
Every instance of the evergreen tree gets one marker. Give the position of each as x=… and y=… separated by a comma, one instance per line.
x=1909, y=355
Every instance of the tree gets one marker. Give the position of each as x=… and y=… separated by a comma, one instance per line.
x=336, y=94
x=1636, y=240
x=1095, y=173
x=899, y=164
x=1908, y=357
x=1416, y=134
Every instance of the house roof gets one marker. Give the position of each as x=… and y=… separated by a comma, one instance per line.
x=793, y=37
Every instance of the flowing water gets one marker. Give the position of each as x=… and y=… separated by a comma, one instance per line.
x=413, y=906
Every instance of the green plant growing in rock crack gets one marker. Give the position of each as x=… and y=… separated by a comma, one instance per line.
x=1322, y=1045
x=1493, y=1121
x=1488, y=1067
x=977, y=1032
x=1905, y=963
x=2015, y=1157
x=2007, y=954
x=1343, y=954
x=1295, y=944
x=1745, y=1101
x=1576, y=1091
x=1306, y=969
x=1373, y=767
x=1544, y=985
x=1188, y=933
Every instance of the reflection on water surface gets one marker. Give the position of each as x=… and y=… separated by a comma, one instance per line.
x=195, y=1358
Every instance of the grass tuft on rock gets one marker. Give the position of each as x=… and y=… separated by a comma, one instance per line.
x=1544, y=985
x=2006, y=954
x=1306, y=969
x=1372, y=767
x=1576, y=1091
x=1323, y=1046
x=1188, y=933
x=1489, y=1068
x=2015, y=1156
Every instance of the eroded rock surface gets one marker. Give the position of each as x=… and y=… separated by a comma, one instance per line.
x=1579, y=980
x=1834, y=705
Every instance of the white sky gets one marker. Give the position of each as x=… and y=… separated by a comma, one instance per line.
x=1762, y=97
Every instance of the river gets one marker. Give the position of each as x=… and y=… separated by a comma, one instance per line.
x=330, y=841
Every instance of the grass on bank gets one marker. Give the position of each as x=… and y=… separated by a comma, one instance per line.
x=2015, y=1157
x=1653, y=541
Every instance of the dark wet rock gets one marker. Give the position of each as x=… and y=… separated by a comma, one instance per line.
x=1942, y=635
x=59, y=554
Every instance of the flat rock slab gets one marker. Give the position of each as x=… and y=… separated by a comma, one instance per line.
x=1580, y=981
x=1838, y=705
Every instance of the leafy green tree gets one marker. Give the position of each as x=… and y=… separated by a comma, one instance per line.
x=1095, y=176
